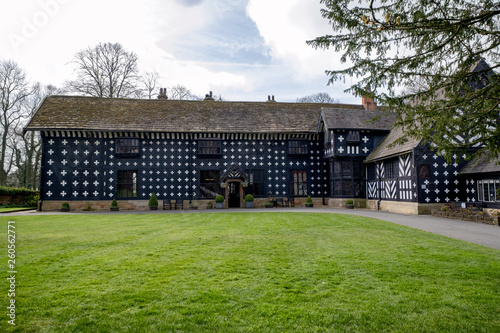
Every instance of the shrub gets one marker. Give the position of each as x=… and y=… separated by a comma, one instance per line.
x=114, y=204
x=249, y=198
x=309, y=200
x=219, y=199
x=88, y=208
x=4, y=190
x=32, y=200
x=153, y=201
x=210, y=205
x=65, y=205
x=349, y=202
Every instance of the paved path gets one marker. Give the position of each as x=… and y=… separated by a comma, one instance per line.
x=478, y=233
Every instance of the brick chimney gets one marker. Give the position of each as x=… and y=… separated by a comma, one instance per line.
x=163, y=93
x=269, y=99
x=209, y=97
x=368, y=102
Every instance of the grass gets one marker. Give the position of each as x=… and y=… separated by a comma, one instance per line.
x=246, y=272
x=13, y=209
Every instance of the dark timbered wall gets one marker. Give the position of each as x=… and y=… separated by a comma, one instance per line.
x=84, y=166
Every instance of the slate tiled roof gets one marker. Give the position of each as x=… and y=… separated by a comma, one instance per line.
x=104, y=114
x=482, y=164
x=345, y=118
x=384, y=151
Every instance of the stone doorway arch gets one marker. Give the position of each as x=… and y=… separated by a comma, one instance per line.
x=234, y=181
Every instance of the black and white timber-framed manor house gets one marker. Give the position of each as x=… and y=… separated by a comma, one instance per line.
x=97, y=149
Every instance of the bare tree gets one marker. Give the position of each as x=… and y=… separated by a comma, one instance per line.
x=105, y=70
x=26, y=147
x=14, y=89
x=150, y=83
x=180, y=92
x=321, y=97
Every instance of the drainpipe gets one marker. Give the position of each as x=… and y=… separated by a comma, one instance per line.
x=191, y=191
x=42, y=171
x=378, y=190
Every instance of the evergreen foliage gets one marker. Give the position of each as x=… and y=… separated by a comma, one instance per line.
x=430, y=49
x=153, y=201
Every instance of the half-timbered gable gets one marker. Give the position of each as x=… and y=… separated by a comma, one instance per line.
x=350, y=135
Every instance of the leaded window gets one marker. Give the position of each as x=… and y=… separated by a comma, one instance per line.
x=347, y=178
x=209, y=147
x=298, y=147
x=390, y=170
x=127, y=184
x=127, y=147
x=256, y=183
x=298, y=183
x=209, y=184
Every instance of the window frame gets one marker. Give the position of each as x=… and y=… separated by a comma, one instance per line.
x=131, y=149
x=213, y=186
x=299, y=185
x=488, y=187
x=298, y=147
x=127, y=182
x=209, y=147
x=254, y=183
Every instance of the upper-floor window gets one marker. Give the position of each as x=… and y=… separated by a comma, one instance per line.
x=127, y=147
x=353, y=136
x=298, y=147
x=209, y=147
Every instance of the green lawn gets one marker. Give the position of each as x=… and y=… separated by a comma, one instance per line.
x=245, y=272
x=13, y=209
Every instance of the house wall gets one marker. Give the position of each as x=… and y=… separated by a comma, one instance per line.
x=393, y=179
x=474, y=197
x=344, y=147
x=80, y=166
x=420, y=176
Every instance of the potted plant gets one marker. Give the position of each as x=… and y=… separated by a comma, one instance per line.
x=65, y=207
x=249, y=201
x=153, y=202
x=349, y=204
x=309, y=202
x=114, y=206
x=219, y=202
x=193, y=206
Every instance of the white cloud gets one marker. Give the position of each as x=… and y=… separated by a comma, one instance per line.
x=286, y=26
x=184, y=41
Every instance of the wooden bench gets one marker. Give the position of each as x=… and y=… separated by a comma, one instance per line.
x=173, y=204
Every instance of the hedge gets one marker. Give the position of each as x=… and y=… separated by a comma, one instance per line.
x=4, y=190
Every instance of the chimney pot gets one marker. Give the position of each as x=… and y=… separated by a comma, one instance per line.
x=163, y=93
x=368, y=102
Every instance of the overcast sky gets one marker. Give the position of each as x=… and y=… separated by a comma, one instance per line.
x=241, y=49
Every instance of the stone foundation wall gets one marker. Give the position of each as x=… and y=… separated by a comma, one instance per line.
x=400, y=207
x=340, y=203
x=142, y=205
